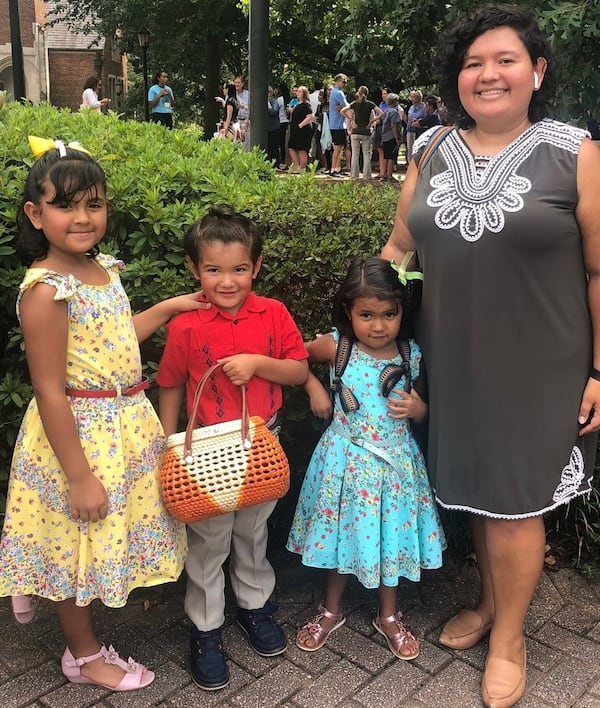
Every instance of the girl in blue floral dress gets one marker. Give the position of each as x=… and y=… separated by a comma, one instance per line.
x=84, y=518
x=366, y=507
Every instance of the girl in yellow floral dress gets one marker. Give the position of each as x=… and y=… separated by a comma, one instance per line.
x=84, y=518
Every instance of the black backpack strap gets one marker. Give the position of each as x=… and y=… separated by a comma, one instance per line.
x=418, y=430
x=348, y=400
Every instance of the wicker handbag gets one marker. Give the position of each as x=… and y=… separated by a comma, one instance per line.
x=221, y=468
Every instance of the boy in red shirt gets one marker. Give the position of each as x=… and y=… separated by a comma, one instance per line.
x=261, y=346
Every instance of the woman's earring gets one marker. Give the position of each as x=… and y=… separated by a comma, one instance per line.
x=536, y=81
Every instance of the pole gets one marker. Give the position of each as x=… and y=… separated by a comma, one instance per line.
x=145, y=62
x=17, y=51
x=258, y=70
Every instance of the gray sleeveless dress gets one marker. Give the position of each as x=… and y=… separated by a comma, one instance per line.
x=505, y=327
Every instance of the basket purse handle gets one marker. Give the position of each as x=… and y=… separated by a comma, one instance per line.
x=196, y=404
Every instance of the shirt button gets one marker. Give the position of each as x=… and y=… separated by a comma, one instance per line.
x=235, y=321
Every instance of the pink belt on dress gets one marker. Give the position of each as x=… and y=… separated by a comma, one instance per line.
x=108, y=393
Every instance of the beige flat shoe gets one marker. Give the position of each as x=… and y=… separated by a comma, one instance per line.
x=464, y=630
x=503, y=682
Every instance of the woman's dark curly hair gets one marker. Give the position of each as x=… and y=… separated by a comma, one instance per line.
x=75, y=173
x=456, y=40
x=374, y=277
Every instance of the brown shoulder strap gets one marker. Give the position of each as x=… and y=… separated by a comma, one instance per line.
x=434, y=142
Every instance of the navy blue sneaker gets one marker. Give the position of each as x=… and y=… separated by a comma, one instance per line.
x=209, y=669
x=264, y=634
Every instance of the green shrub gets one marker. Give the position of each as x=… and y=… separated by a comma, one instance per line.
x=159, y=182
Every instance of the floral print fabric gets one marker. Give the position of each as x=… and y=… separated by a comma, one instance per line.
x=43, y=550
x=365, y=506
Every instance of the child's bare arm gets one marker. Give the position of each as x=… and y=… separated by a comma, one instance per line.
x=170, y=401
x=45, y=331
x=242, y=367
x=321, y=349
x=319, y=398
x=150, y=320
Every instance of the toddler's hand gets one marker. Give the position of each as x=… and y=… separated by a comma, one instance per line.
x=402, y=405
x=320, y=403
x=88, y=497
x=240, y=368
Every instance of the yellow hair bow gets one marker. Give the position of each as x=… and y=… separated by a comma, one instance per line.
x=40, y=146
x=405, y=275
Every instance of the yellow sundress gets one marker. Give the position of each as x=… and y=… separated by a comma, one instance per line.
x=43, y=550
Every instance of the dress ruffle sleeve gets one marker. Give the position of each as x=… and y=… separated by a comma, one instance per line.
x=66, y=285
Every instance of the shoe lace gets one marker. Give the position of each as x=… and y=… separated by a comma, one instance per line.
x=210, y=641
x=262, y=616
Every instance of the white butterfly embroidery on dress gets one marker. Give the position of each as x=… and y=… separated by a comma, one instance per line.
x=571, y=477
x=477, y=200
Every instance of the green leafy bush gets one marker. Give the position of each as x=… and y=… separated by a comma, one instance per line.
x=159, y=182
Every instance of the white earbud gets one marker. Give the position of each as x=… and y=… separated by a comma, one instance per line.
x=536, y=81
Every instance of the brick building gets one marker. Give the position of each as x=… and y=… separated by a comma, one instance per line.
x=57, y=61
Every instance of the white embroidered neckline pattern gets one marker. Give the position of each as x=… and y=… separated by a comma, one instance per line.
x=477, y=200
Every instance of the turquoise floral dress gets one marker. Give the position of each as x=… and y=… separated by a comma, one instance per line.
x=44, y=551
x=365, y=506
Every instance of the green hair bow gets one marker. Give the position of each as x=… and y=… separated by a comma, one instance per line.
x=405, y=275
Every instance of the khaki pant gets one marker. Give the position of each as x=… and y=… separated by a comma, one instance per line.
x=241, y=535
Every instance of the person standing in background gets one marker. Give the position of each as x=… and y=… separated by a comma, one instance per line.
x=337, y=124
x=365, y=114
x=284, y=123
x=160, y=100
x=243, y=99
x=272, y=127
x=89, y=97
x=415, y=111
x=430, y=118
x=315, y=99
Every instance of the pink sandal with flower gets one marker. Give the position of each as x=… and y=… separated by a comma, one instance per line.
x=136, y=675
x=402, y=639
x=314, y=632
x=24, y=607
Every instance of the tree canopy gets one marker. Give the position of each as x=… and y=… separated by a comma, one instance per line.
x=202, y=42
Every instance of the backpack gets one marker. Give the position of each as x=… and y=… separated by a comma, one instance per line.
x=388, y=379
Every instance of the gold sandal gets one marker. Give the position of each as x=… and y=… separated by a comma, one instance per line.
x=400, y=638
x=316, y=632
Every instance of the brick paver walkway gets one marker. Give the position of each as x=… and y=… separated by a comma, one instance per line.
x=354, y=670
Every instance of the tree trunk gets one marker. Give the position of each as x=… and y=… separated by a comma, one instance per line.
x=212, y=65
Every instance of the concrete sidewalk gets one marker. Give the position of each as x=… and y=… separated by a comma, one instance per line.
x=355, y=669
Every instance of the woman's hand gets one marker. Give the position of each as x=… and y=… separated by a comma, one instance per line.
x=590, y=408
x=403, y=405
x=88, y=498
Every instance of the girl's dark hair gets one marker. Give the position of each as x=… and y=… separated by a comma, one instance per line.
x=76, y=172
x=157, y=75
x=231, y=92
x=91, y=82
x=222, y=223
x=375, y=277
x=456, y=40
x=284, y=92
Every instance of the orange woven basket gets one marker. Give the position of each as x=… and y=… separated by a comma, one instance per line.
x=221, y=468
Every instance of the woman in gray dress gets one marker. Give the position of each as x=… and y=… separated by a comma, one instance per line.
x=505, y=216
